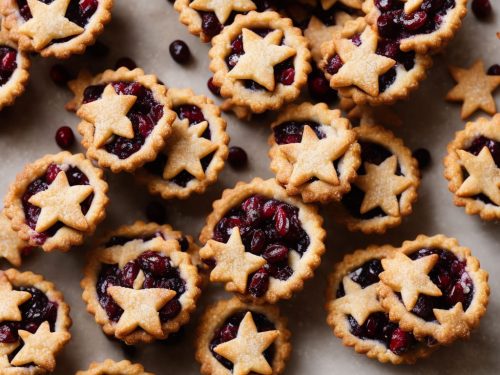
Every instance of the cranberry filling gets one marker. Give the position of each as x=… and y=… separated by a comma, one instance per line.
x=144, y=115
x=75, y=177
x=8, y=63
x=291, y=131
x=269, y=228
x=229, y=330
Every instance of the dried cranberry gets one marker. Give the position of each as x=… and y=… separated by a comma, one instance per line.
x=287, y=76
x=52, y=172
x=171, y=309
x=237, y=157
x=414, y=21
x=400, y=341
x=259, y=283
x=387, y=24
x=282, y=221
x=275, y=253
x=129, y=274
x=334, y=64
x=65, y=137
x=157, y=264
x=210, y=25
x=180, y=52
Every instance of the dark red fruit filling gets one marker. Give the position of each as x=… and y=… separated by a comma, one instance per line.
x=179, y=51
x=269, y=228
x=144, y=115
x=8, y=63
x=481, y=8
x=65, y=137
x=75, y=177
x=291, y=131
x=229, y=330
x=319, y=87
x=237, y=157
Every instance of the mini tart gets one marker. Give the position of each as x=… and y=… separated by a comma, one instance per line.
x=42, y=186
x=36, y=325
x=110, y=367
x=194, y=153
x=220, y=324
x=262, y=243
x=291, y=154
x=269, y=37
x=50, y=33
x=385, y=189
x=398, y=72
x=435, y=288
x=352, y=291
x=11, y=246
x=132, y=114
x=141, y=262
x=421, y=26
x=472, y=168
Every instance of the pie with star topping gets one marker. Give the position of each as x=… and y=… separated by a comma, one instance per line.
x=110, y=367
x=12, y=248
x=56, y=201
x=314, y=152
x=238, y=338
x=34, y=321
x=472, y=168
x=139, y=284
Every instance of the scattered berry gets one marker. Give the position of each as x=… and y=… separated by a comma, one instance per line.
x=180, y=52
x=481, y=8
x=65, y=137
x=237, y=157
x=423, y=157
x=127, y=62
x=494, y=70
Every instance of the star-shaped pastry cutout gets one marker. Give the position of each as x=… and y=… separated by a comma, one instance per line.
x=355, y=4
x=77, y=86
x=358, y=302
x=314, y=157
x=484, y=175
x=10, y=243
x=233, y=263
x=474, y=87
x=410, y=277
x=362, y=66
x=260, y=57
x=318, y=33
x=187, y=141
x=223, y=8
x=453, y=319
x=109, y=115
x=246, y=350
x=61, y=202
x=412, y=5
x=40, y=347
x=48, y=23
x=10, y=301
x=5, y=350
x=382, y=186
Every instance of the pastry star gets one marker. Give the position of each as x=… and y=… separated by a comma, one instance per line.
x=10, y=243
x=453, y=319
x=233, y=262
x=261, y=55
x=10, y=301
x=187, y=141
x=381, y=186
x=355, y=4
x=358, y=302
x=61, y=202
x=412, y=5
x=318, y=33
x=362, y=66
x=484, y=175
x=39, y=347
x=109, y=115
x=48, y=22
x=410, y=277
x=313, y=157
x=223, y=8
x=246, y=350
x=474, y=88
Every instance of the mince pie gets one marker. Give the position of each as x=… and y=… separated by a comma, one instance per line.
x=356, y=315
x=260, y=61
x=472, y=168
x=34, y=323
x=110, y=367
x=11, y=246
x=126, y=118
x=139, y=285
x=262, y=243
x=386, y=185
x=435, y=288
x=194, y=153
x=314, y=152
x=57, y=201
x=238, y=338
x=58, y=28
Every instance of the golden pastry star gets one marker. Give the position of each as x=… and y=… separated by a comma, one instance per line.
x=453, y=319
x=362, y=66
x=61, y=202
x=48, y=23
x=381, y=186
x=109, y=115
x=233, y=262
x=10, y=243
x=5, y=350
x=484, y=175
x=187, y=141
x=317, y=33
x=358, y=302
x=410, y=277
x=140, y=309
x=260, y=57
x=474, y=88
x=10, y=301
x=246, y=350
x=40, y=347
x=223, y=8
x=412, y=5
x=314, y=157
x=355, y=4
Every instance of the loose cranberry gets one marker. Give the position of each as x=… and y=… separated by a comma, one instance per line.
x=237, y=157
x=414, y=21
x=287, y=76
x=155, y=211
x=259, y=283
x=494, y=70
x=275, y=253
x=60, y=75
x=155, y=263
x=126, y=62
x=180, y=52
x=65, y=137
x=214, y=89
x=400, y=341
x=210, y=25
x=334, y=64
x=423, y=157
x=481, y=8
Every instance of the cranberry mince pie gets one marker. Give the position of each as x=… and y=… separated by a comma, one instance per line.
x=110, y=367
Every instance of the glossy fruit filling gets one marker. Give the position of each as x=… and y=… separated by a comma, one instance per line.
x=269, y=228
x=291, y=131
x=194, y=115
x=144, y=115
x=31, y=212
x=8, y=63
x=229, y=330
